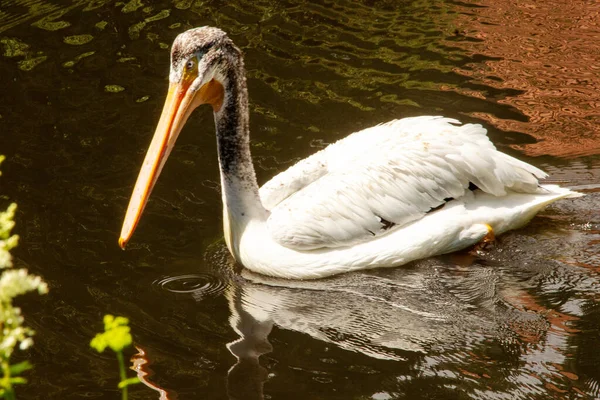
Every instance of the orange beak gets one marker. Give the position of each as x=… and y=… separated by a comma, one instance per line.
x=178, y=106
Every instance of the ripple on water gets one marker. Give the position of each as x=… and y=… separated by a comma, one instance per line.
x=198, y=285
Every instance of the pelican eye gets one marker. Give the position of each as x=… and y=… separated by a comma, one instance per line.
x=190, y=64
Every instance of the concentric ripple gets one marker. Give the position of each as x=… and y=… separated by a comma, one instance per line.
x=198, y=285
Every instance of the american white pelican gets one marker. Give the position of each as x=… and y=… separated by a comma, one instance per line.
x=397, y=192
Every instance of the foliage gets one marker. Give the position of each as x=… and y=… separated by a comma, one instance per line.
x=117, y=336
x=13, y=283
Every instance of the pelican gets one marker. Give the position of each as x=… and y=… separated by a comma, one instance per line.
x=400, y=191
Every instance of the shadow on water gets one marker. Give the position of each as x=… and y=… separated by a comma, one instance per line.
x=82, y=87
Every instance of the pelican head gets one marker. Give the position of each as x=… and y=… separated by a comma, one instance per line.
x=202, y=60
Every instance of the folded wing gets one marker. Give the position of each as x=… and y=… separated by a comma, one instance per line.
x=384, y=177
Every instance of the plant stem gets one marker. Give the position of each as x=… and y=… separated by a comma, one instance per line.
x=9, y=394
x=122, y=374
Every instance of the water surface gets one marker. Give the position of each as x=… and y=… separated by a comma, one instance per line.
x=83, y=84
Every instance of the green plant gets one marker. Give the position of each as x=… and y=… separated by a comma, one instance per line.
x=13, y=283
x=117, y=336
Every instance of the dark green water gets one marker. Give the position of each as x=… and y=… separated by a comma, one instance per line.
x=82, y=87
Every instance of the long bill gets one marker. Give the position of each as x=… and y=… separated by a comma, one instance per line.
x=180, y=103
x=171, y=122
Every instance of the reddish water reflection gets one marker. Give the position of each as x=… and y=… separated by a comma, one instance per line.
x=552, y=54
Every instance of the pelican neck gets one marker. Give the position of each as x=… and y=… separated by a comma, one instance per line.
x=238, y=178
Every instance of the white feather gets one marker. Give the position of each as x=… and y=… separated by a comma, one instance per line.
x=396, y=172
x=327, y=212
x=461, y=223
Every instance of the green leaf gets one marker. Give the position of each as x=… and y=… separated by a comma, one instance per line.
x=99, y=342
x=116, y=334
x=19, y=368
x=17, y=380
x=129, y=381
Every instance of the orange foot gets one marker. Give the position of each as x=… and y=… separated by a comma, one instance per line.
x=488, y=240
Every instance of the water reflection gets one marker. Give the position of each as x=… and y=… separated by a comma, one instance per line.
x=500, y=325
x=550, y=57
x=245, y=380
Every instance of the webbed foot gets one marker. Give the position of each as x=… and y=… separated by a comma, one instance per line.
x=486, y=242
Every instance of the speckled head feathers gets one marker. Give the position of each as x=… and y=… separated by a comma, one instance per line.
x=207, y=44
x=196, y=40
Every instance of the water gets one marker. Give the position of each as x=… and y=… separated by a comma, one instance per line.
x=82, y=87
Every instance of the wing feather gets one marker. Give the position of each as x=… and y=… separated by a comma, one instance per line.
x=386, y=177
x=293, y=179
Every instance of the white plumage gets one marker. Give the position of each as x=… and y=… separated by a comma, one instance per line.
x=326, y=211
x=395, y=172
